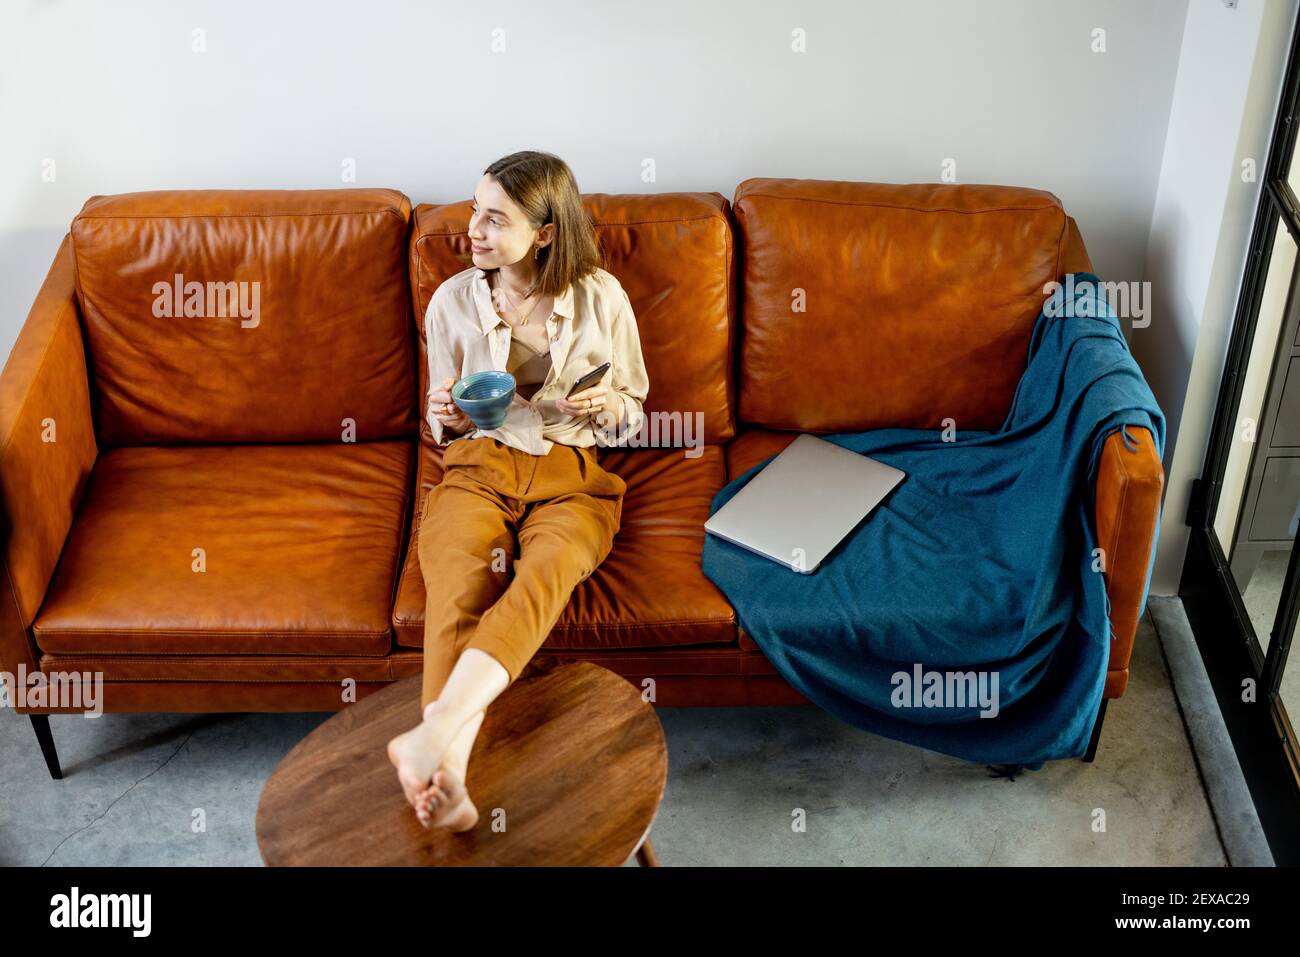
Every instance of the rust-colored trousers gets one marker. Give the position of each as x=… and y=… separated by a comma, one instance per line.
x=562, y=508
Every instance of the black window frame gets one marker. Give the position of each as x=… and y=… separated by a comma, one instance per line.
x=1264, y=737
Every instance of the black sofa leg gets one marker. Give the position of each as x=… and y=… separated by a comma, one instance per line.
x=1096, y=731
x=41, y=722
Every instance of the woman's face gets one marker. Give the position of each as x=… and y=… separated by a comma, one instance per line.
x=499, y=232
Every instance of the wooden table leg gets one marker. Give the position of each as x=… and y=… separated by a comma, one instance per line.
x=645, y=854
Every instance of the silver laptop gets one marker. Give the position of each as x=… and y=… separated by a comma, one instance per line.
x=803, y=502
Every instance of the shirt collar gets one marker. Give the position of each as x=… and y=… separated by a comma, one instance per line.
x=487, y=314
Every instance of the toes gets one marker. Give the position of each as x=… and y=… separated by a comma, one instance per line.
x=451, y=785
x=434, y=799
x=434, y=804
x=416, y=786
x=426, y=807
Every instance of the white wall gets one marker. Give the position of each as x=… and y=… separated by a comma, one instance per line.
x=1229, y=76
x=1010, y=89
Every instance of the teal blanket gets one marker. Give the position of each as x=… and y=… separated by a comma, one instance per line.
x=968, y=613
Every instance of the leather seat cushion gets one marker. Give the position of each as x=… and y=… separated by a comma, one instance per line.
x=752, y=445
x=300, y=546
x=650, y=590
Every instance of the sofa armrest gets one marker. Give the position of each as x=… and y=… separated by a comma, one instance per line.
x=1129, y=484
x=47, y=449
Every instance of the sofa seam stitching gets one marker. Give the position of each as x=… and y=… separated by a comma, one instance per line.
x=91, y=217
x=421, y=234
x=914, y=209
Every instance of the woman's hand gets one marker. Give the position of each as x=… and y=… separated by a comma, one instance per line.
x=447, y=412
x=594, y=399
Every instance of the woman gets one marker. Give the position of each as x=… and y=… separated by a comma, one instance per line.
x=537, y=304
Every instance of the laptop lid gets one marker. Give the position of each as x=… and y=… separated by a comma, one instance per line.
x=803, y=502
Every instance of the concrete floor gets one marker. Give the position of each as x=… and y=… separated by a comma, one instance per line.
x=137, y=787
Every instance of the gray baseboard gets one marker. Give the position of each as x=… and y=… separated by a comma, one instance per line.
x=1234, y=811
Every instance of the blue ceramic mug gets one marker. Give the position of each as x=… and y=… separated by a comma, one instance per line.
x=485, y=397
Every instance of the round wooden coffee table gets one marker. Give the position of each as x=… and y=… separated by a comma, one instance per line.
x=568, y=769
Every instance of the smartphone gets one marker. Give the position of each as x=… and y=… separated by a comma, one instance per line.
x=590, y=379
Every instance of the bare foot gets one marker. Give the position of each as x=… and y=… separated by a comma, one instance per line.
x=417, y=753
x=446, y=803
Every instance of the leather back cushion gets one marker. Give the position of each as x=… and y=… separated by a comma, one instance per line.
x=672, y=253
x=293, y=315
x=868, y=305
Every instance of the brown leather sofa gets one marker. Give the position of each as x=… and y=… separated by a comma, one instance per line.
x=217, y=510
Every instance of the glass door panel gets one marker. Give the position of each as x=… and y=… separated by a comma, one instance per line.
x=1255, y=521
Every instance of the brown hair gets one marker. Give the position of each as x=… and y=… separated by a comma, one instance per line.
x=543, y=186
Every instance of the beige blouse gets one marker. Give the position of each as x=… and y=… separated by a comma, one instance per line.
x=592, y=322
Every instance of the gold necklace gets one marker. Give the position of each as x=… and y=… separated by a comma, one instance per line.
x=502, y=286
